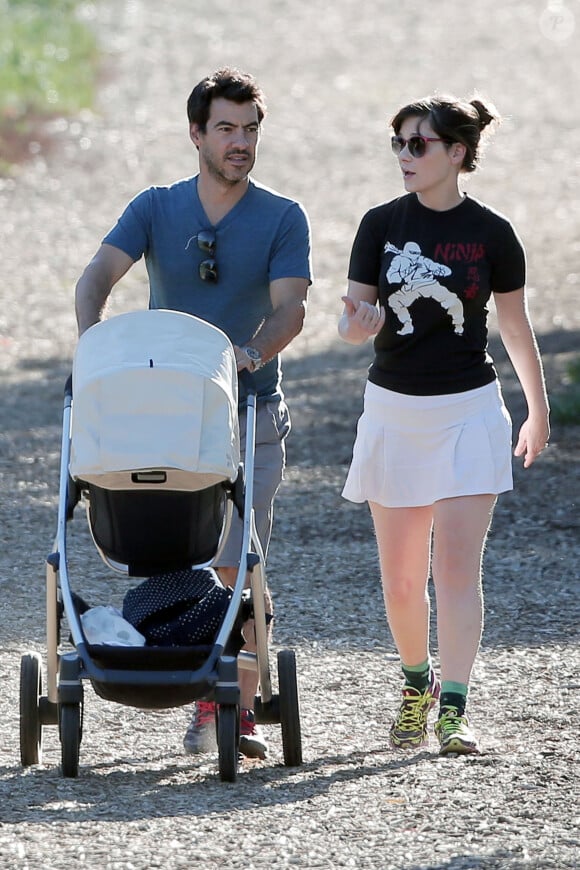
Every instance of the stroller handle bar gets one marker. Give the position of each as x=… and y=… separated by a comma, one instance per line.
x=247, y=381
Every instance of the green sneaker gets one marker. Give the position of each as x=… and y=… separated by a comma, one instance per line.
x=454, y=733
x=409, y=730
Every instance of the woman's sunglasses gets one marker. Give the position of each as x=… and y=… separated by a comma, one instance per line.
x=206, y=242
x=416, y=144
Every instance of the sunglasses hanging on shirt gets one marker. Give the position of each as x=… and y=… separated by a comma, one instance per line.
x=206, y=242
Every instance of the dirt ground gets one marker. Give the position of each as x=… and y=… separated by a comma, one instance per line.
x=333, y=73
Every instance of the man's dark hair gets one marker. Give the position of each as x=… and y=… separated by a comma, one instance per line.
x=231, y=84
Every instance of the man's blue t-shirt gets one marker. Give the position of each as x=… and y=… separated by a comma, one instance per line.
x=264, y=237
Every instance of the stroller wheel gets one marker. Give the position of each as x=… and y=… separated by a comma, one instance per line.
x=70, y=738
x=228, y=735
x=289, y=708
x=30, y=720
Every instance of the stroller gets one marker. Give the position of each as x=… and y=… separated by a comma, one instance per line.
x=150, y=444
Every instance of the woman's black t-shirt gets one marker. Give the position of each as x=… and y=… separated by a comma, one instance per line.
x=435, y=273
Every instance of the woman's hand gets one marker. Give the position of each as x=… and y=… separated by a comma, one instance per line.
x=519, y=340
x=533, y=438
x=360, y=320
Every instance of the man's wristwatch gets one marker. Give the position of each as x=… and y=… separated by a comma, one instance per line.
x=254, y=356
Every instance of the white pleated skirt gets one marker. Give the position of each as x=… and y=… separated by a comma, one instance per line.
x=415, y=450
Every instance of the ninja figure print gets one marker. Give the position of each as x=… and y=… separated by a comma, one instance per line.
x=418, y=276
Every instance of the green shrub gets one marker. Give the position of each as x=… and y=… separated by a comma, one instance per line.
x=47, y=60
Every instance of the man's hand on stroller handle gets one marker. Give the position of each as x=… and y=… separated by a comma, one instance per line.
x=248, y=357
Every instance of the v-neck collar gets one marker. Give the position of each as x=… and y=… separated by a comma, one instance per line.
x=230, y=215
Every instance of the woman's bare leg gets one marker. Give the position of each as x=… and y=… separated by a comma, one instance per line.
x=404, y=540
x=460, y=529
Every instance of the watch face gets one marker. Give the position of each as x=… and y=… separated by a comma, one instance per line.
x=254, y=356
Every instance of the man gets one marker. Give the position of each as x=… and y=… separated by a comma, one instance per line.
x=237, y=254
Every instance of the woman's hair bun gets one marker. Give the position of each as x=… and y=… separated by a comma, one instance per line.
x=487, y=113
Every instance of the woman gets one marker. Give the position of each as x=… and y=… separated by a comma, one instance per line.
x=433, y=445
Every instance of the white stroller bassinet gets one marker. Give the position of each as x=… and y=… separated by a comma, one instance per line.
x=155, y=408
x=135, y=373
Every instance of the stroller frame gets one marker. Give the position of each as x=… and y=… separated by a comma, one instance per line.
x=161, y=677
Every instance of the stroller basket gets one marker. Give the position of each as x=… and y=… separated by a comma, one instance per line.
x=119, y=674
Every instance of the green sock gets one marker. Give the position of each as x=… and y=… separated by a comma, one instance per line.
x=453, y=695
x=417, y=676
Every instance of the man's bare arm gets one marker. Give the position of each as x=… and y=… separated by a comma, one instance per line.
x=289, y=297
x=95, y=284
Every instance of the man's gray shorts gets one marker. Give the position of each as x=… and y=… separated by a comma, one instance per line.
x=272, y=427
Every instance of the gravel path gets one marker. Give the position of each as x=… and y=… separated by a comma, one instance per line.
x=332, y=72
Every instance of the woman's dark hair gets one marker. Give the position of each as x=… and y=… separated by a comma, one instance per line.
x=453, y=120
x=231, y=84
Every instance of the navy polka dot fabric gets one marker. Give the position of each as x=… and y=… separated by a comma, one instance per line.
x=184, y=608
